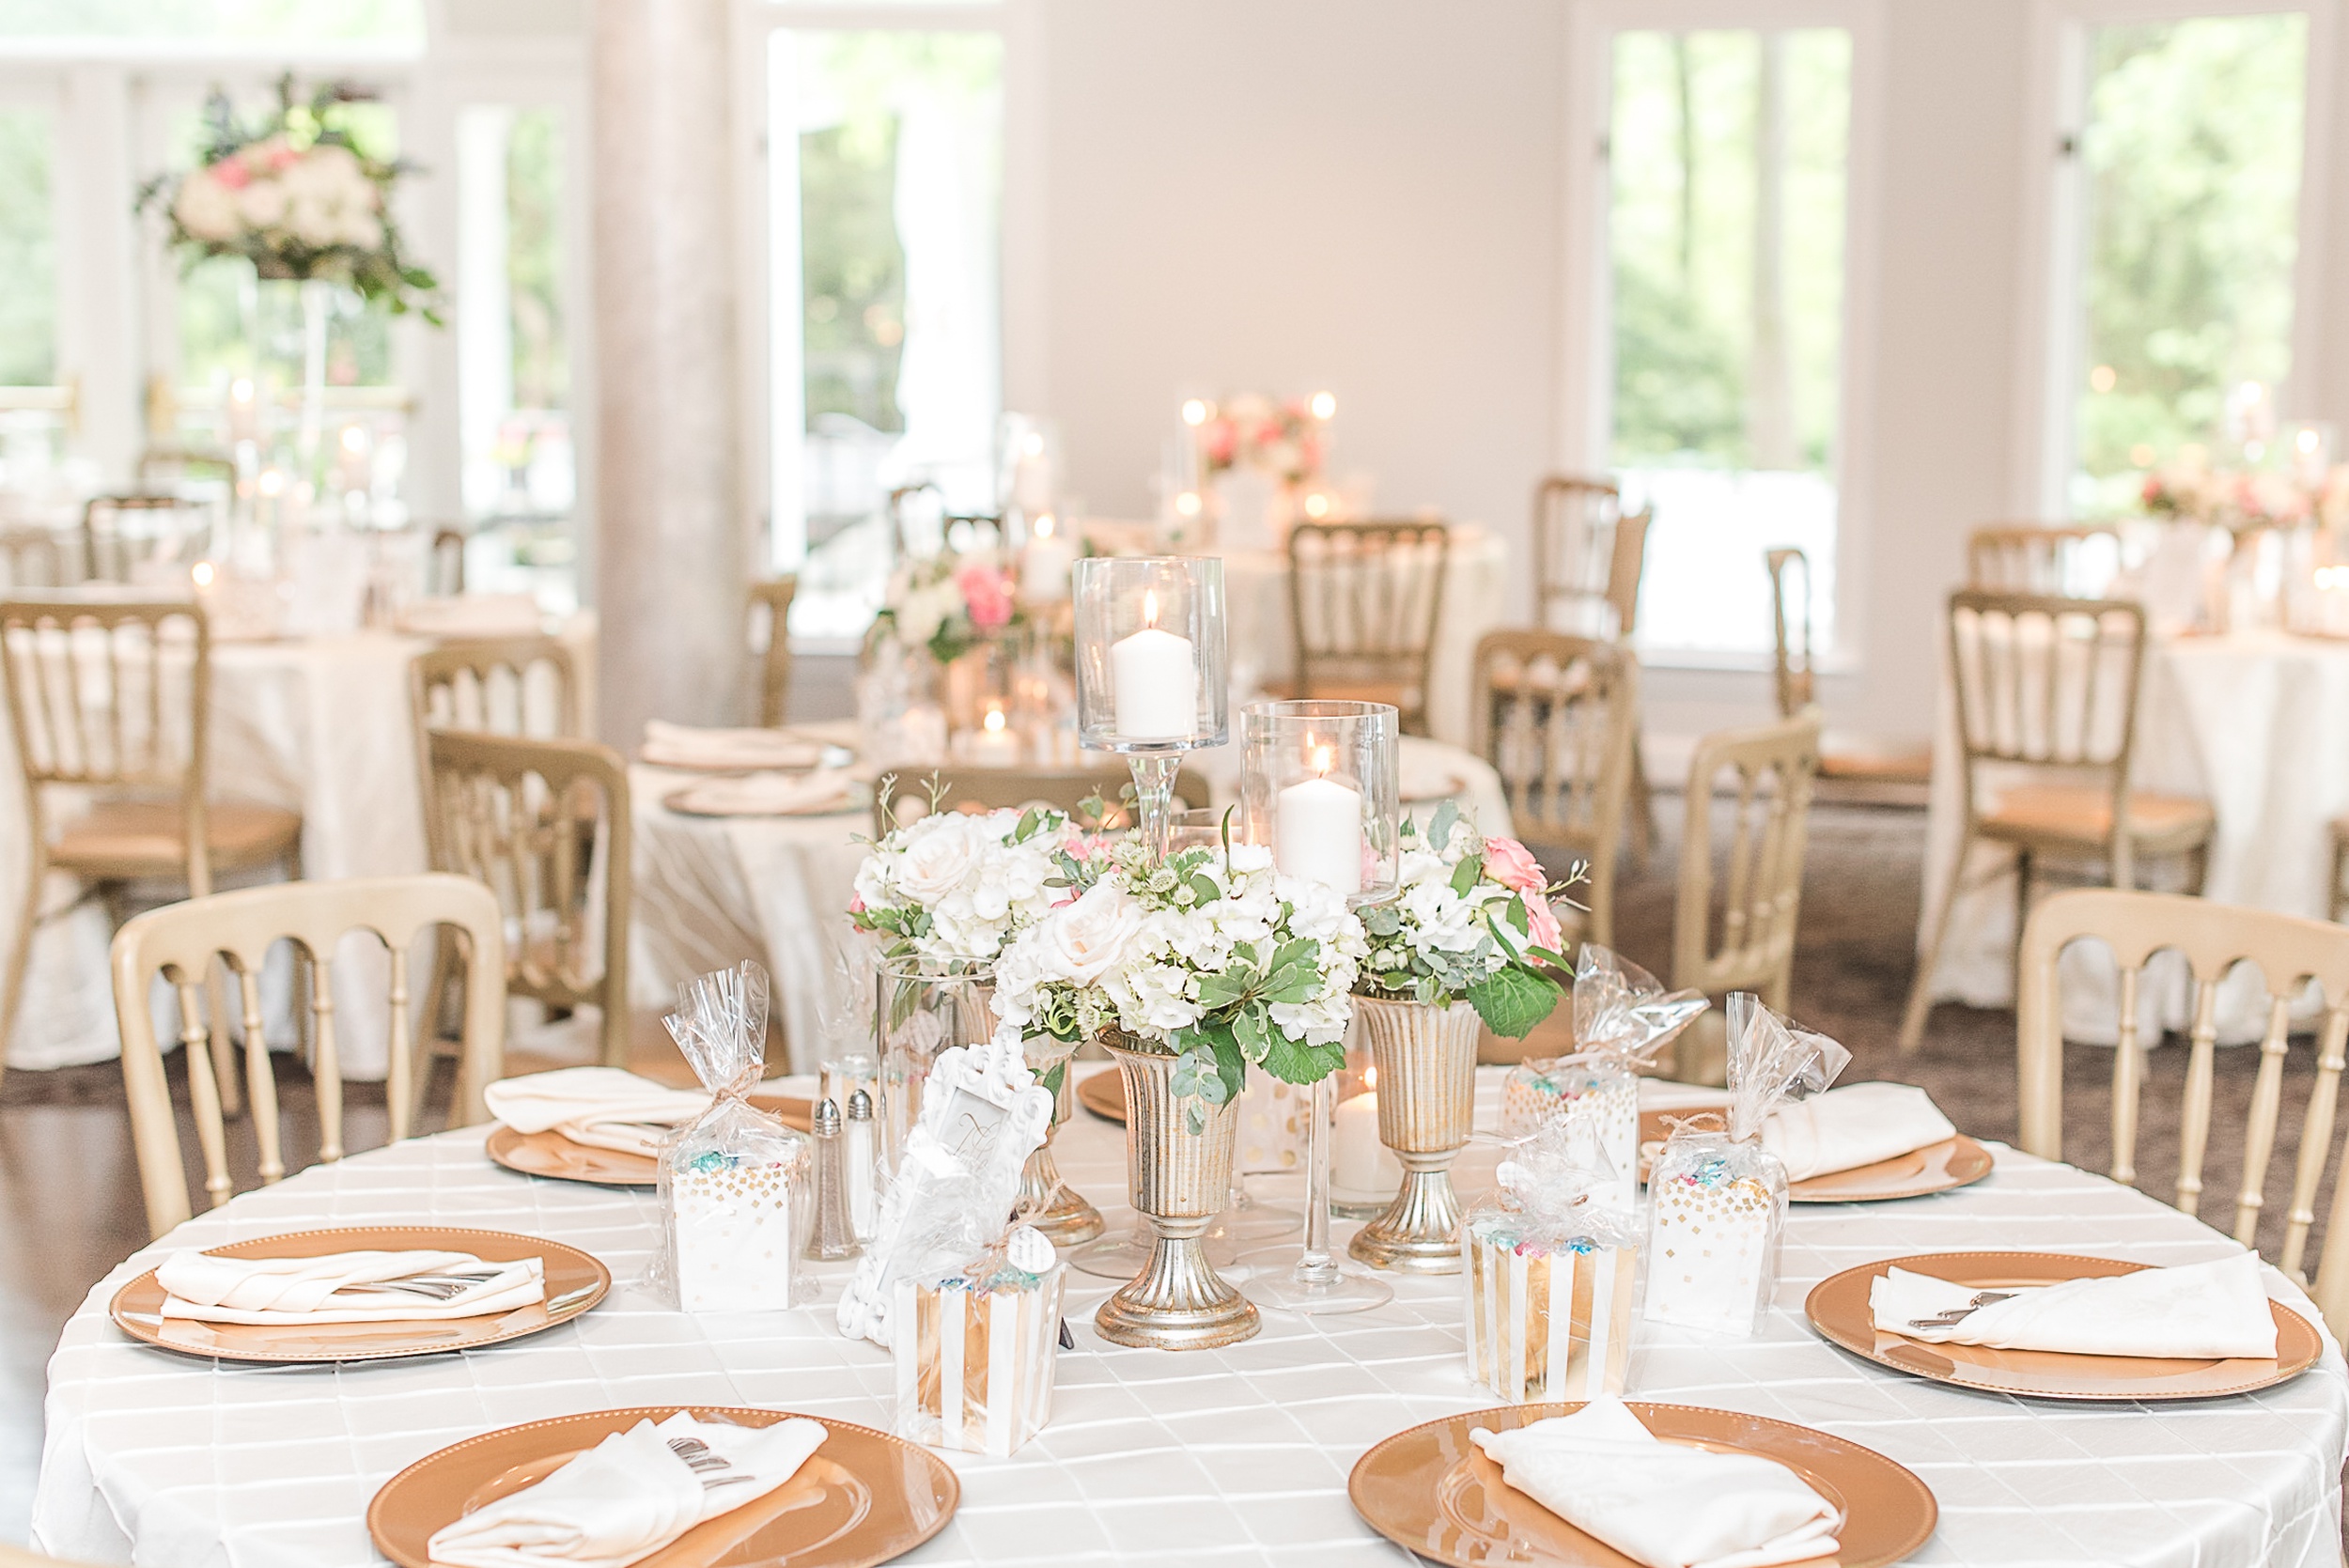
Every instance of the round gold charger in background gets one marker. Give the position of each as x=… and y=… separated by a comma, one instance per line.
x=1104, y=1094
x=550, y=1154
x=575, y=1282
x=863, y=1497
x=1942, y=1167
x=1432, y=1490
x=1838, y=1308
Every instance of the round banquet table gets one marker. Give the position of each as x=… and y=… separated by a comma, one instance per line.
x=2256, y=723
x=1228, y=1456
x=713, y=890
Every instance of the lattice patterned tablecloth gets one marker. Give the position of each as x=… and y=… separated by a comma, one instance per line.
x=1232, y=1456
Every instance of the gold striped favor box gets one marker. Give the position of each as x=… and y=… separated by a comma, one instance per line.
x=974, y=1358
x=1546, y=1323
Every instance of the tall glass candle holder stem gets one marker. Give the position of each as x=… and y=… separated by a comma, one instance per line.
x=1316, y=1281
x=1154, y=796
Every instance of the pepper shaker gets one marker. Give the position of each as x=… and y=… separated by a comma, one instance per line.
x=863, y=1177
x=831, y=1237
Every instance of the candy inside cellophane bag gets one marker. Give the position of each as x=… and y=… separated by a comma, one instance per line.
x=975, y=1347
x=1717, y=1198
x=1550, y=1261
x=1623, y=1020
x=737, y=1186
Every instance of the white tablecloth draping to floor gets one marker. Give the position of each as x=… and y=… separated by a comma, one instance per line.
x=321, y=725
x=712, y=892
x=1263, y=644
x=2256, y=723
x=1229, y=1456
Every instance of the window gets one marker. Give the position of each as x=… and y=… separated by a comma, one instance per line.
x=1726, y=155
x=886, y=296
x=28, y=249
x=2188, y=186
x=274, y=24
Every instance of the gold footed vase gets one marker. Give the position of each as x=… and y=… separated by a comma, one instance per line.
x=1426, y=1060
x=1051, y=1204
x=1179, y=1182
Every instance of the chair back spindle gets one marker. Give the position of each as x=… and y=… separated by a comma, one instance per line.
x=1794, y=676
x=1364, y=601
x=518, y=686
x=2074, y=561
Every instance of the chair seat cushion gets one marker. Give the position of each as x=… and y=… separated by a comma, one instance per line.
x=147, y=838
x=1860, y=757
x=2081, y=816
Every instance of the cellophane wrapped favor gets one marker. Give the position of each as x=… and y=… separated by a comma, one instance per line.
x=976, y=1347
x=1717, y=1198
x=737, y=1184
x=1623, y=1019
x=1550, y=1262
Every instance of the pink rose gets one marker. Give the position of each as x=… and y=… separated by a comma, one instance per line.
x=1541, y=926
x=232, y=173
x=856, y=904
x=987, y=593
x=1513, y=865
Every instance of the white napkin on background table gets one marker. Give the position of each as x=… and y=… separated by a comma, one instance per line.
x=296, y=1290
x=604, y=1107
x=473, y=615
x=1860, y=1124
x=670, y=745
x=628, y=1497
x=2204, y=1310
x=827, y=789
x=1666, y=1504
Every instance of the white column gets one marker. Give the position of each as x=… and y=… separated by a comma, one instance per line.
x=673, y=570
x=98, y=347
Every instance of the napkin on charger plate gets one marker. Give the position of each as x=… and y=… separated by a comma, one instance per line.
x=2199, y=1310
x=300, y=1291
x=1855, y=1125
x=1667, y=1505
x=602, y=1108
x=668, y=745
x=827, y=789
x=628, y=1497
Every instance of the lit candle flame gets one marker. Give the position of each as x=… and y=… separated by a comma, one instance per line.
x=1316, y=506
x=1323, y=756
x=2307, y=440
x=1325, y=406
x=2332, y=577
x=1187, y=503
x=1149, y=607
x=241, y=391
x=1043, y=526
x=994, y=720
x=202, y=573
x=354, y=438
x=1033, y=445
x=1369, y=1080
x=1194, y=412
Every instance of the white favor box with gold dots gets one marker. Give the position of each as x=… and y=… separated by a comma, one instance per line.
x=1715, y=1211
x=1598, y=1101
x=736, y=1233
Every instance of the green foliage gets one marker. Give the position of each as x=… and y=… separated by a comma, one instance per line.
x=1512, y=1000
x=534, y=259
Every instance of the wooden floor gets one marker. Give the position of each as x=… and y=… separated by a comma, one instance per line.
x=70, y=1205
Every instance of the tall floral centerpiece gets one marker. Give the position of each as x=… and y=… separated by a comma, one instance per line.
x=955, y=608
x=294, y=193
x=1192, y=968
x=1285, y=443
x=1471, y=939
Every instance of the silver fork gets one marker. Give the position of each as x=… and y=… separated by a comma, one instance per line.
x=440, y=1287
x=699, y=1458
x=1956, y=1315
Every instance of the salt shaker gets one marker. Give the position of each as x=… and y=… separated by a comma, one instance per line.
x=863, y=1184
x=831, y=1237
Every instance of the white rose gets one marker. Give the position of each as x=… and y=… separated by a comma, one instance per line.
x=262, y=203
x=313, y=225
x=206, y=208
x=1081, y=941
x=940, y=851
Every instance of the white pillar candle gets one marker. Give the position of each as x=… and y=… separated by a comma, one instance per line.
x=1157, y=681
x=1359, y=1164
x=1044, y=566
x=1318, y=833
x=993, y=744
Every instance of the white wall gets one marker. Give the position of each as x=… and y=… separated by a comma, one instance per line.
x=1363, y=194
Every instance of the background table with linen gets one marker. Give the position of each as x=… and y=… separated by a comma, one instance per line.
x=713, y=890
x=1237, y=1455
x=2256, y=723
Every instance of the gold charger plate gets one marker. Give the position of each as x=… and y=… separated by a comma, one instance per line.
x=1432, y=1490
x=681, y=802
x=550, y=1154
x=1838, y=1308
x=862, y=1498
x=1104, y=1094
x=1942, y=1167
x=575, y=1282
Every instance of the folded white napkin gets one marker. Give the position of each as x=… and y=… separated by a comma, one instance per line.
x=1846, y=1129
x=669, y=745
x=473, y=615
x=604, y=1108
x=628, y=1497
x=295, y=1291
x=2204, y=1310
x=767, y=794
x=1665, y=1504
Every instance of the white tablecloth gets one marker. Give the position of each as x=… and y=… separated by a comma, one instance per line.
x=320, y=726
x=712, y=892
x=1231, y=1457
x=1263, y=645
x=2257, y=722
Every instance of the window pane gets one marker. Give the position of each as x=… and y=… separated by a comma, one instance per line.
x=1726, y=232
x=28, y=251
x=898, y=163
x=273, y=22
x=2193, y=187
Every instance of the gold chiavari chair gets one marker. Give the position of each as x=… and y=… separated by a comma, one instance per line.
x=906, y=798
x=496, y=686
x=2337, y=896
x=2070, y=561
x=1734, y=926
x=1589, y=557
x=770, y=604
x=180, y=941
x=1852, y=768
x=121, y=534
x=445, y=563
x=545, y=825
x=1365, y=600
x=2288, y=952
x=110, y=702
x=1554, y=715
x=38, y=560
x=2047, y=719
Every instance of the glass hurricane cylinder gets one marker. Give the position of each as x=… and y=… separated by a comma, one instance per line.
x=1318, y=784
x=1151, y=682
x=921, y=1009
